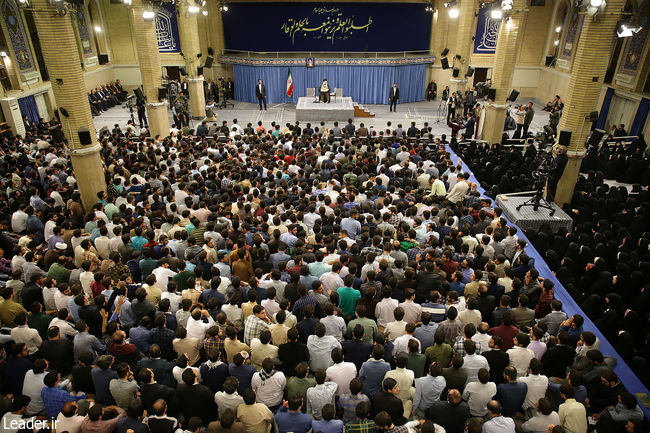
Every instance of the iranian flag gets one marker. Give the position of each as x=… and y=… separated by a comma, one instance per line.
x=289, y=84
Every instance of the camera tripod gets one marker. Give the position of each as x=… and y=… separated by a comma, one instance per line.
x=538, y=200
x=442, y=111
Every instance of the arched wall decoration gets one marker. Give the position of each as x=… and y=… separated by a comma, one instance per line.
x=167, y=29
x=487, y=32
x=635, y=44
x=85, y=36
x=573, y=24
x=17, y=36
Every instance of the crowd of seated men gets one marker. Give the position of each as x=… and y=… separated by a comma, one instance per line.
x=107, y=96
x=299, y=282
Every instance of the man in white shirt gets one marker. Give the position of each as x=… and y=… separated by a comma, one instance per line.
x=261, y=348
x=68, y=419
x=341, y=372
x=401, y=343
x=32, y=386
x=23, y=334
x=412, y=311
x=479, y=393
x=459, y=190
x=196, y=327
x=537, y=384
x=472, y=362
x=269, y=384
x=320, y=348
x=544, y=417
x=384, y=309
x=520, y=355
x=331, y=280
x=163, y=274
x=482, y=338
x=498, y=423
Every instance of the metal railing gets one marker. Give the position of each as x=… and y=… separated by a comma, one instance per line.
x=328, y=54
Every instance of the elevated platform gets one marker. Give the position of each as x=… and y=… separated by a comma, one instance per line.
x=340, y=109
x=529, y=218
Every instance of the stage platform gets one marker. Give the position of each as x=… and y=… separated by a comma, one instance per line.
x=340, y=109
x=528, y=218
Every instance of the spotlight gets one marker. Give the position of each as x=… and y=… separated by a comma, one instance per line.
x=627, y=30
x=126, y=2
x=556, y=43
x=193, y=9
x=454, y=13
x=596, y=3
x=506, y=5
x=203, y=3
x=148, y=15
x=558, y=29
x=205, y=13
x=3, y=54
x=98, y=29
x=223, y=8
x=496, y=14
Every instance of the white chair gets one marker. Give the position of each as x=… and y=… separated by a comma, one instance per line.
x=311, y=92
x=338, y=92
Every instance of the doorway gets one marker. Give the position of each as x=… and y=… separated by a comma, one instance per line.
x=173, y=73
x=480, y=75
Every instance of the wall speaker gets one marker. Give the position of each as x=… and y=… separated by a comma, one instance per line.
x=138, y=93
x=513, y=95
x=210, y=51
x=550, y=60
x=595, y=137
x=458, y=56
x=445, y=63
x=103, y=59
x=84, y=137
x=183, y=71
x=162, y=93
x=455, y=72
x=565, y=137
x=208, y=62
x=593, y=116
x=199, y=70
x=470, y=71
x=444, y=52
x=491, y=93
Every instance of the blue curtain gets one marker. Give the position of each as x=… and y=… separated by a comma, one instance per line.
x=604, y=109
x=640, y=117
x=28, y=108
x=365, y=84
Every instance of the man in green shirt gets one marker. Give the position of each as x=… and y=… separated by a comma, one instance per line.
x=58, y=271
x=440, y=352
x=299, y=383
x=38, y=320
x=348, y=296
x=369, y=326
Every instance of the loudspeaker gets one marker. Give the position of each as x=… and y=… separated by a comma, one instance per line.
x=208, y=62
x=458, y=56
x=595, y=137
x=513, y=95
x=84, y=137
x=199, y=70
x=138, y=94
x=103, y=59
x=445, y=63
x=491, y=93
x=444, y=52
x=210, y=51
x=455, y=72
x=162, y=93
x=565, y=137
x=183, y=71
x=550, y=60
x=593, y=116
x=470, y=71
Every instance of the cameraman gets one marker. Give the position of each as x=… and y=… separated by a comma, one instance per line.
x=556, y=169
x=554, y=118
x=142, y=113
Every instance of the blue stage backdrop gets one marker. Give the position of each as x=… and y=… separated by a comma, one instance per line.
x=327, y=27
x=167, y=29
x=365, y=84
